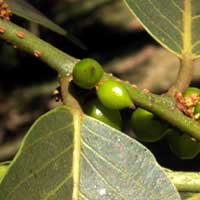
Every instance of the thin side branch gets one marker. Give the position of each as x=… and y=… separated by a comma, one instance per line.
x=185, y=181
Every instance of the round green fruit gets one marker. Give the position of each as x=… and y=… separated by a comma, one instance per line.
x=147, y=127
x=96, y=109
x=191, y=90
x=197, y=111
x=113, y=95
x=87, y=73
x=182, y=144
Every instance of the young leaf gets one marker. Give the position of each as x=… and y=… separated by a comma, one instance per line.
x=27, y=11
x=173, y=23
x=112, y=165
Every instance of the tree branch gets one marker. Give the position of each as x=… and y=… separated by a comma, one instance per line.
x=22, y=39
x=164, y=107
x=185, y=75
x=185, y=181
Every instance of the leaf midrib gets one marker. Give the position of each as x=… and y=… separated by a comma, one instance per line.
x=187, y=35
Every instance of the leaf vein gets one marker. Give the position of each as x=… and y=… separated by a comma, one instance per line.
x=102, y=158
x=177, y=6
x=195, y=44
x=49, y=194
x=195, y=17
x=159, y=29
x=46, y=136
x=100, y=136
x=102, y=177
x=138, y=183
x=165, y=17
x=84, y=196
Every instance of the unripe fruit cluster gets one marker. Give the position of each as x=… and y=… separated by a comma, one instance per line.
x=149, y=128
x=181, y=144
x=110, y=97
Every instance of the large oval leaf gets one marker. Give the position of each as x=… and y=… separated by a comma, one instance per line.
x=112, y=165
x=43, y=165
x=173, y=23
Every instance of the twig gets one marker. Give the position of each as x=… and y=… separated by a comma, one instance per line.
x=185, y=181
x=164, y=107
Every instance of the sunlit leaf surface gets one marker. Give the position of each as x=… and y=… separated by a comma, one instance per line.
x=112, y=167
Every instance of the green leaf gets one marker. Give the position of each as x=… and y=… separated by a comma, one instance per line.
x=27, y=11
x=43, y=165
x=112, y=165
x=175, y=24
x=3, y=169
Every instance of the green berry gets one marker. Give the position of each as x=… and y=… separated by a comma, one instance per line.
x=96, y=109
x=113, y=95
x=191, y=90
x=87, y=73
x=197, y=111
x=182, y=144
x=146, y=126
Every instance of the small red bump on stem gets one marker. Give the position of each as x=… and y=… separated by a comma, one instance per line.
x=2, y=30
x=37, y=53
x=193, y=139
x=119, y=81
x=20, y=35
x=146, y=91
x=132, y=107
x=134, y=86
